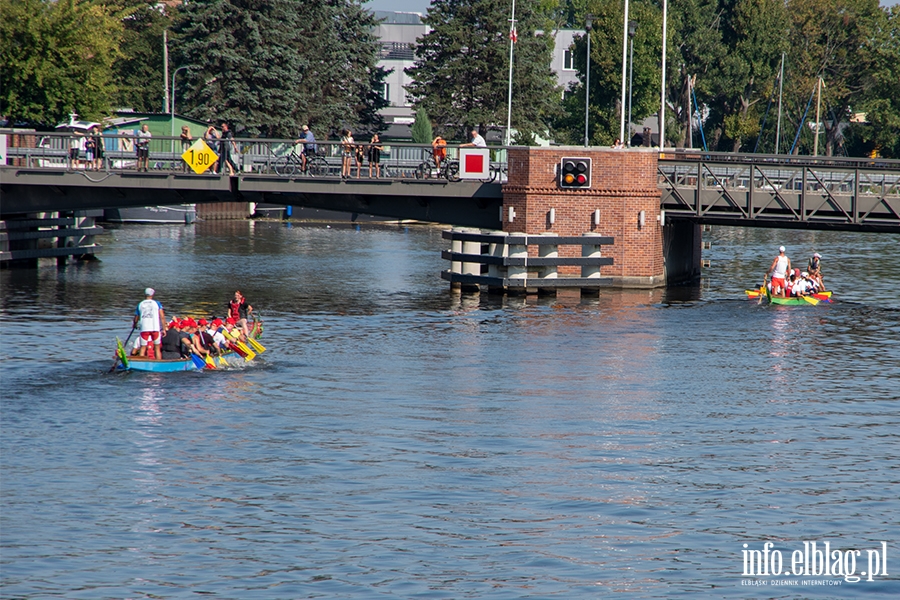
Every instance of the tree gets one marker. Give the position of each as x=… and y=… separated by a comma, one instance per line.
x=837, y=40
x=750, y=67
x=606, y=71
x=882, y=106
x=139, y=69
x=421, y=128
x=56, y=59
x=268, y=65
x=461, y=72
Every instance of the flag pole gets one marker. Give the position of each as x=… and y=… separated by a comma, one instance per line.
x=512, y=42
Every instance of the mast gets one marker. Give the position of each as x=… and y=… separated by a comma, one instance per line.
x=512, y=42
x=780, y=88
x=819, y=84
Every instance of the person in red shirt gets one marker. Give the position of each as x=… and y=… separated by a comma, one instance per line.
x=240, y=310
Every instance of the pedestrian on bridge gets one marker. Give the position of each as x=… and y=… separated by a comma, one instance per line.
x=375, y=149
x=143, y=148
x=226, y=146
x=347, y=151
x=309, y=146
x=211, y=137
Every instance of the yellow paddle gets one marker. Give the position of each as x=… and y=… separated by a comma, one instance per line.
x=210, y=364
x=811, y=300
x=250, y=354
x=256, y=345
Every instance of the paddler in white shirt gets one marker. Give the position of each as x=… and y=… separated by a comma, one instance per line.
x=781, y=266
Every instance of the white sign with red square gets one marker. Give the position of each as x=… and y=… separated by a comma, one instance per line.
x=474, y=163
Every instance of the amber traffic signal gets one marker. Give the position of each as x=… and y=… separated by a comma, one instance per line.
x=575, y=173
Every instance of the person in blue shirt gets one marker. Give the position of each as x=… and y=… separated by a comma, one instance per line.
x=309, y=145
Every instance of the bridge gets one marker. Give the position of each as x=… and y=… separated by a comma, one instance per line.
x=675, y=191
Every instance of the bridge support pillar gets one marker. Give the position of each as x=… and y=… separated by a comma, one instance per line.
x=623, y=202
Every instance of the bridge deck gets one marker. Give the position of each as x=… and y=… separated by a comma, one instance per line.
x=735, y=189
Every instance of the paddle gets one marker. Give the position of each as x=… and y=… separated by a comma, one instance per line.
x=210, y=364
x=222, y=361
x=811, y=300
x=120, y=351
x=256, y=345
x=235, y=334
x=198, y=362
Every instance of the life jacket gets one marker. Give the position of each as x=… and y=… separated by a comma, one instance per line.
x=234, y=310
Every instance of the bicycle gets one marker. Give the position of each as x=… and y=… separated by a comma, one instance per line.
x=499, y=172
x=428, y=168
x=291, y=164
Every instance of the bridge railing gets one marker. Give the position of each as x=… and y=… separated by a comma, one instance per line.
x=251, y=156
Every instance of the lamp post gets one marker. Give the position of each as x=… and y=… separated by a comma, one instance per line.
x=512, y=43
x=624, y=65
x=589, y=21
x=662, y=91
x=632, y=29
x=174, y=73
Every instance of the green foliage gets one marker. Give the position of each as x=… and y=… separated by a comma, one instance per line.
x=56, y=59
x=421, y=128
x=461, y=73
x=139, y=70
x=268, y=65
x=606, y=71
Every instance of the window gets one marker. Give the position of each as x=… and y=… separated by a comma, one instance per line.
x=386, y=91
x=568, y=61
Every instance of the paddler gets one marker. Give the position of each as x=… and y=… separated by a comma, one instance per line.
x=781, y=266
x=149, y=313
x=814, y=268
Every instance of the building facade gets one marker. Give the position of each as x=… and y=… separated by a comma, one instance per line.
x=398, y=33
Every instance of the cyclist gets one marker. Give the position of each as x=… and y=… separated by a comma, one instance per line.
x=439, y=151
x=309, y=145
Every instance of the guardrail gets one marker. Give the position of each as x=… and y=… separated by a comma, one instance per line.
x=500, y=261
x=267, y=157
x=814, y=191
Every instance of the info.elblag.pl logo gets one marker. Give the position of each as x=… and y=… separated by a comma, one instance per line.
x=816, y=559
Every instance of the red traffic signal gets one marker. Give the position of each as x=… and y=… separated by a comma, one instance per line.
x=575, y=173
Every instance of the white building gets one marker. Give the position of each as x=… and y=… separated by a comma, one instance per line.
x=398, y=33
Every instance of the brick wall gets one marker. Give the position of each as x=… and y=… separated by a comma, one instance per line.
x=624, y=182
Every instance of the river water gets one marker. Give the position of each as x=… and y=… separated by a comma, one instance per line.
x=400, y=440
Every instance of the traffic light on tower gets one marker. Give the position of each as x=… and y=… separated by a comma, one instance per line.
x=575, y=173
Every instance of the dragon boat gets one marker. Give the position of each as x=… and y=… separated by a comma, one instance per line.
x=810, y=300
x=246, y=351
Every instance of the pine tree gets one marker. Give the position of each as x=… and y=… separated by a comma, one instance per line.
x=462, y=66
x=270, y=65
x=421, y=128
x=139, y=71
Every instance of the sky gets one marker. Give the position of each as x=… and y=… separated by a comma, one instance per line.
x=421, y=6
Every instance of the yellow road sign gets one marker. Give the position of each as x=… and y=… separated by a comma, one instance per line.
x=200, y=156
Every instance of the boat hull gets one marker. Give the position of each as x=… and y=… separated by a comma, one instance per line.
x=811, y=300
x=174, y=365
x=159, y=366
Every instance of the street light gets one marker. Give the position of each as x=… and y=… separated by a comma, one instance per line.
x=589, y=20
x=175, y=72
x=662, y=91
x=625, y=26
x=632, y=29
